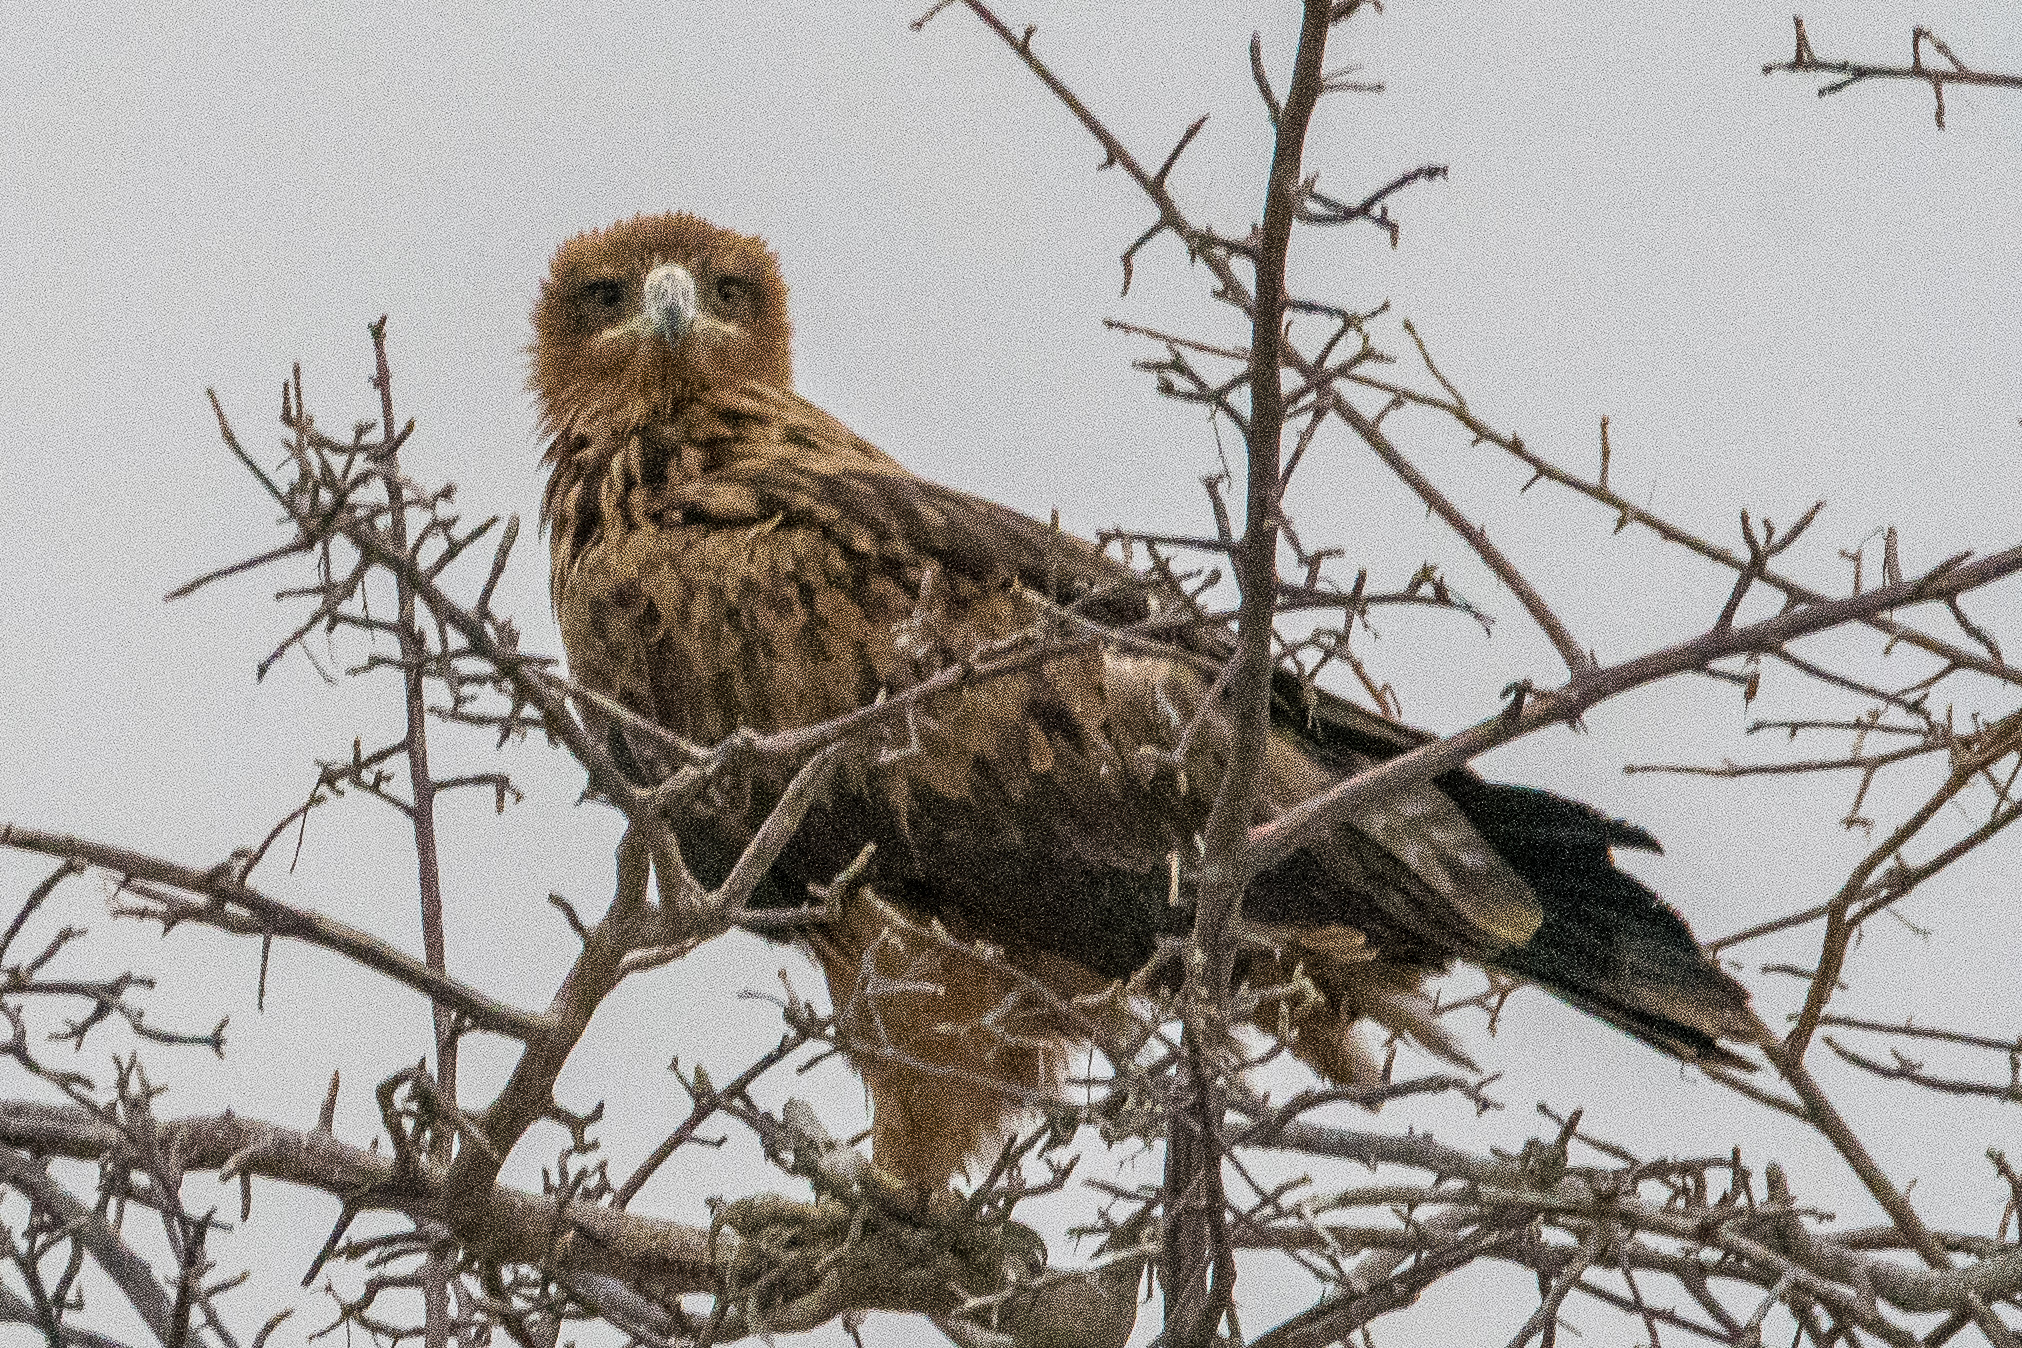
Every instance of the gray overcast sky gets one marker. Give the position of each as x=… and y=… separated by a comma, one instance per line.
x=1776, y=298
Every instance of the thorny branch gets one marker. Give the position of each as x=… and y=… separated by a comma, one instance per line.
x=422, y=786
x=1804, y=61
x=1199, y=1269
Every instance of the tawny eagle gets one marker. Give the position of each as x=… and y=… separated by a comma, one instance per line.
x=726, y=555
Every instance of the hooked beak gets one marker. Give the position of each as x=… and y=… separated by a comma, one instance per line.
x=669, y=308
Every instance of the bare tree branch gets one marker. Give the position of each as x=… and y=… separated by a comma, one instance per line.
x=1804, y=61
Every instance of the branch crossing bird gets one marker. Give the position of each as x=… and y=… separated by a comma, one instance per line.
x=728, y=556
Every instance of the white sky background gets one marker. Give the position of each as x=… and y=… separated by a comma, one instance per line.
x=1775, y=298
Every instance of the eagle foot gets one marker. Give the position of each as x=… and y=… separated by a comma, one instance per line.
x=794, y=1265
x=869, y=1239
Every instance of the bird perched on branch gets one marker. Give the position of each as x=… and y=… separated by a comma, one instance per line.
x=728, y=556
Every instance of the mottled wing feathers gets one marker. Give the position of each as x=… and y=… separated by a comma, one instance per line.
x=793, y=498
x=794, y=462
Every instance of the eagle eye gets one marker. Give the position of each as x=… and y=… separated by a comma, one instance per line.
x=604, y=293
x=736, y=294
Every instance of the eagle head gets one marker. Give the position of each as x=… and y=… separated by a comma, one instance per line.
x=638, y=317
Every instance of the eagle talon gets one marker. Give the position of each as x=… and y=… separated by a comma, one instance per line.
x=756, y=1217
x=874, y=1238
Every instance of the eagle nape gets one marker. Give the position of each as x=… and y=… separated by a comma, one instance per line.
x=726, y=556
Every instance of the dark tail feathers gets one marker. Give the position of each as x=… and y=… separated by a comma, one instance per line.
x=1608, y=945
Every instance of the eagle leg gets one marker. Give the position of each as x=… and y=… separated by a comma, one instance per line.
x=951, y=1041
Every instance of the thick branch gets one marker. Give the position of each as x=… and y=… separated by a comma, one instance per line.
x=1225, y=870
x=421, y=807
x=1828, y=1264
x=1827, y=1119
x=263, y=915
x=1804, y=61
x=1627, y=512
x=498, y=1224
x=1273, y=841
x=1200, y=1272
x=128, y=1271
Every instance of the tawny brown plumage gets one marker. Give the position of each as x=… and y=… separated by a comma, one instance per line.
x=726, y=555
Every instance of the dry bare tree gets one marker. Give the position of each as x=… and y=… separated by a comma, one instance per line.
x=431, y=1245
